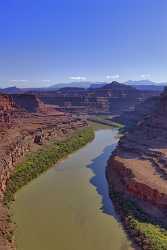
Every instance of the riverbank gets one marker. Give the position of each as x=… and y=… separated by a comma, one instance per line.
x=146, y=232
x=143, y=230
x=38, y=162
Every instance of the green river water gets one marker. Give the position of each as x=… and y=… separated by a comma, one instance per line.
x=67, y=207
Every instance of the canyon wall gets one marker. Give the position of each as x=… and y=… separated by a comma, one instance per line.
x=24, y=126
x=113, y=98
x=32, y=104
x=16, y=147
x=138, y=167
x=26, y=123
x=6, y=103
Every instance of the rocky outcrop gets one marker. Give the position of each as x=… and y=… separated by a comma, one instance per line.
x=31, y=103
x=138, y=167
x=6, y=103
x=8, y=110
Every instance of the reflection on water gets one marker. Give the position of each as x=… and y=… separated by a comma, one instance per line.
x=68, y=208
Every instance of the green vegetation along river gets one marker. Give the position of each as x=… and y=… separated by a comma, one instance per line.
x=67, y=207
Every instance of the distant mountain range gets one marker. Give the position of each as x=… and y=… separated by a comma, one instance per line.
x=79, y=84
x=12, y=90
x=15, y=90
x=145, y=85
x=97, y=85
x=140, y=85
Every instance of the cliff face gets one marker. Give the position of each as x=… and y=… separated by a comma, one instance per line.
x=32, y=104
x=8, y=110
x=6, y=103
x=138, y=168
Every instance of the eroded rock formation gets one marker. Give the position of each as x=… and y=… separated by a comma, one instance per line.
x=31, y=103
x=113, y=98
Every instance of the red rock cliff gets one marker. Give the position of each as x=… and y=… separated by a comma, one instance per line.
x=31, y=103
x=6, y=103
x=138, y=167
x=19, y=131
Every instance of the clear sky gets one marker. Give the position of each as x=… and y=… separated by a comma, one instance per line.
x=51, y=41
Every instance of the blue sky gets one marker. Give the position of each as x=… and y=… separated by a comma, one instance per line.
x=51, y=41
